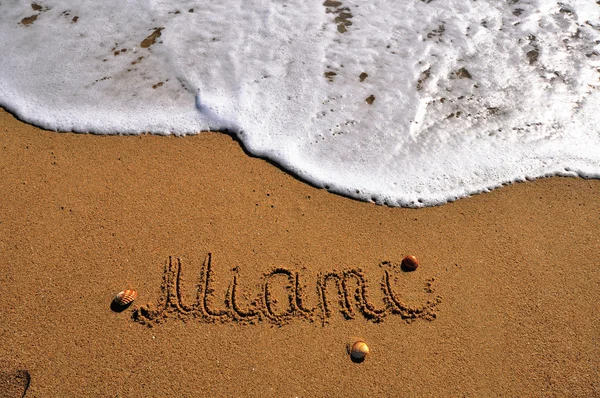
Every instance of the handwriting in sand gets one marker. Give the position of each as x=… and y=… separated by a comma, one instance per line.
x=346, y=291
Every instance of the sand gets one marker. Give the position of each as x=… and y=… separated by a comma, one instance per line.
x=505, y=301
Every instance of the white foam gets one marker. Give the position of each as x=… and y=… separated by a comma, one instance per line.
x=463, y=95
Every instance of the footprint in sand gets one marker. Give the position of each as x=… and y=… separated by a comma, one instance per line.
x=14, y=381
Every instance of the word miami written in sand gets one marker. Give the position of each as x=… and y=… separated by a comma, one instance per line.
x=345, y=290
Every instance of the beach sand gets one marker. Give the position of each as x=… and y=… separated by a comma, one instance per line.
x=505, y=301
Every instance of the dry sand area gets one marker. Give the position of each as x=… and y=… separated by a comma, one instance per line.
x=252, y=283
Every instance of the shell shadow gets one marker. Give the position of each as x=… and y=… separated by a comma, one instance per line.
x=357, y=360
x=404, y=268
x=116, y=307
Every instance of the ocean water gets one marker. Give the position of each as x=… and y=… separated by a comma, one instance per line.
x=403, y=102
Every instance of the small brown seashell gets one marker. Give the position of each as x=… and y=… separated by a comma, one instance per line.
x=410, y=263
x=359, y=351
x=125, y=297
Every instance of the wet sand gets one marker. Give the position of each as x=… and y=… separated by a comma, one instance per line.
x=504, y=302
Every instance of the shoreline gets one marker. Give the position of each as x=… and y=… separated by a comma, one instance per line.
x=83, y=217
x=567, y=173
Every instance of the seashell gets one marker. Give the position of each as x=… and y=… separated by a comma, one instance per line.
x=410, y=263
x=125, y=297
x=359, y=350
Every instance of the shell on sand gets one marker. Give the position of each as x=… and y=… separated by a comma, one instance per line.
x=410, y=263
x=125, y=297
x=359, y=350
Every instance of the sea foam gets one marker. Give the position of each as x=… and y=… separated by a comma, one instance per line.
x=408, y=103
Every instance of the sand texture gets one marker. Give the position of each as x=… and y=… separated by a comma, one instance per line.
x=252, y=283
